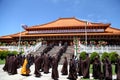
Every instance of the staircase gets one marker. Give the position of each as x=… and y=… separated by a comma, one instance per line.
x=68, y=54
x=54, y=50
x=37, y=52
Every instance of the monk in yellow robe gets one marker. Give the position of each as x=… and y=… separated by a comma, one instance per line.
x=25, y=70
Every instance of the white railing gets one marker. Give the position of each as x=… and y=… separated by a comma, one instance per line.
x=10, y=48
x=89, y=49
x=33, y=48
x=37, y=46
x=99, y=49
x=26, y=49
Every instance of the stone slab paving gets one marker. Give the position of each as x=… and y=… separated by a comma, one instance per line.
x=6, y=76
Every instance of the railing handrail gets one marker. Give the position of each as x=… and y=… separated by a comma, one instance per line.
x=81, y=48
x=25, y=48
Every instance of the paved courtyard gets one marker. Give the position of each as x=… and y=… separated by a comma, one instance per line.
x=6, y=76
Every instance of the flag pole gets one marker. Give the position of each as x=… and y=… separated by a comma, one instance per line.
x=86, y=36
x=19, y=41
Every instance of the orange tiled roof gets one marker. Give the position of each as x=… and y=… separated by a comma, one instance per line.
x=6, y=37
x=66, y=22
x=10, y=36
x=113, y=30
x=108, y=31
x=66, y=34
x=18, y=34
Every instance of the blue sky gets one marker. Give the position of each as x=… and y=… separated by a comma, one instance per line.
x=13, y=13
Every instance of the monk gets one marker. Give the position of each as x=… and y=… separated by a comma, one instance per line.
x=42, y=62
x=118, y=68
x=5, y=68
x=108, y=69
x=72, y=69
x=19, y=60
x=46, y=63
x=65, y=67
x=26, y=67
x=37, y=66
x=10, y=65
x=55, y=74
x=97, y=68
x=80, y=65
x=86, y=66
x=14, y=65
x=23, y=58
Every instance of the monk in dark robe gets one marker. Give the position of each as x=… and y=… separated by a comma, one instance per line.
x=42, y=62
x=104, y=63
x=80, y=65
x=23, y=58
x=14, y=65
x=55, y=74
x=65, y=67
x=10, y=64
x=97, y=68
x=37, y=66
x=117, y=57
x=50, y=61
x=108, y=69
x=118, y=69
x=46, y=63
x=5, y=68
x=19, y=60
x=86, y=66
x=72, y=69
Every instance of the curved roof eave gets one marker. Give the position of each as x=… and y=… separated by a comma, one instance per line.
x=66, y=22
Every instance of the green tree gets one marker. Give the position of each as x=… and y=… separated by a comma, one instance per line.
x=92, y=56
x=113, y=56
x=14, y=52
x=83, y=55
x=104, y=55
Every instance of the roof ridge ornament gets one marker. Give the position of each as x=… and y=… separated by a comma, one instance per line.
x=24, y=26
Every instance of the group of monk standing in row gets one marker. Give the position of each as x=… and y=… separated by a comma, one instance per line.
x=77, y=67
x=42, y=63
x=100, y=70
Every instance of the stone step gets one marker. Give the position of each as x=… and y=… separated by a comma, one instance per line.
x=68, y=54
x=54, y=50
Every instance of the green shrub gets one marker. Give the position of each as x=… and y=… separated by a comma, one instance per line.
x=104, y=55
x=0, y=54
x=83, y=55
x=113, y=56
x=92, y=56
x=4, y=53
x=14, y=52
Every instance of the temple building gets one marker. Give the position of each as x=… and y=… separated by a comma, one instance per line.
x=65, y=30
